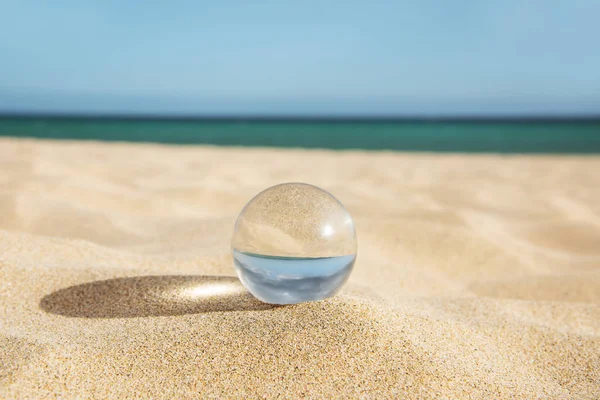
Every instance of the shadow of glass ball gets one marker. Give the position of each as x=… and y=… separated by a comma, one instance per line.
x=152, y=296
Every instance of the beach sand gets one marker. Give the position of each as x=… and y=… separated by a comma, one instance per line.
x=478, y=276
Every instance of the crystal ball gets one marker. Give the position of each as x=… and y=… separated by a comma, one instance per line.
x=293, y=243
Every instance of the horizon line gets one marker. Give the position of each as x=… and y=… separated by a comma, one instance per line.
x=303, y=117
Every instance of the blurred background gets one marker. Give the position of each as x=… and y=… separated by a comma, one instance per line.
x=499, y=76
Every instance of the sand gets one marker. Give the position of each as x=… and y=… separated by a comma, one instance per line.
x=478, y=276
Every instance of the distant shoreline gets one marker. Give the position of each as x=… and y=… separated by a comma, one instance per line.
x=560, y=136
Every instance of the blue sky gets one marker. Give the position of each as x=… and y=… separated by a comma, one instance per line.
x=301, y=57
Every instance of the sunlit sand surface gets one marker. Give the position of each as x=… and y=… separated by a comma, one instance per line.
x=478, y=276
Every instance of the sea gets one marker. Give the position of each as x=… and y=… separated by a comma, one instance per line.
x=430, y=135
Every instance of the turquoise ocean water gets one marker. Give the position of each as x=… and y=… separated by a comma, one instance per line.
x=533, y=136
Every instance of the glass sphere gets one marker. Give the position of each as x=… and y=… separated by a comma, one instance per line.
x=292, y=243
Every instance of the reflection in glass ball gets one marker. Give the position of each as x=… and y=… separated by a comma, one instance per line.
x=292, y=243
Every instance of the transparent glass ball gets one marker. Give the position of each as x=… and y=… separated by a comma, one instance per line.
x=292, y=243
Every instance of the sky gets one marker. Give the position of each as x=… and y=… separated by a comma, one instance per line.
x=460, y=57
